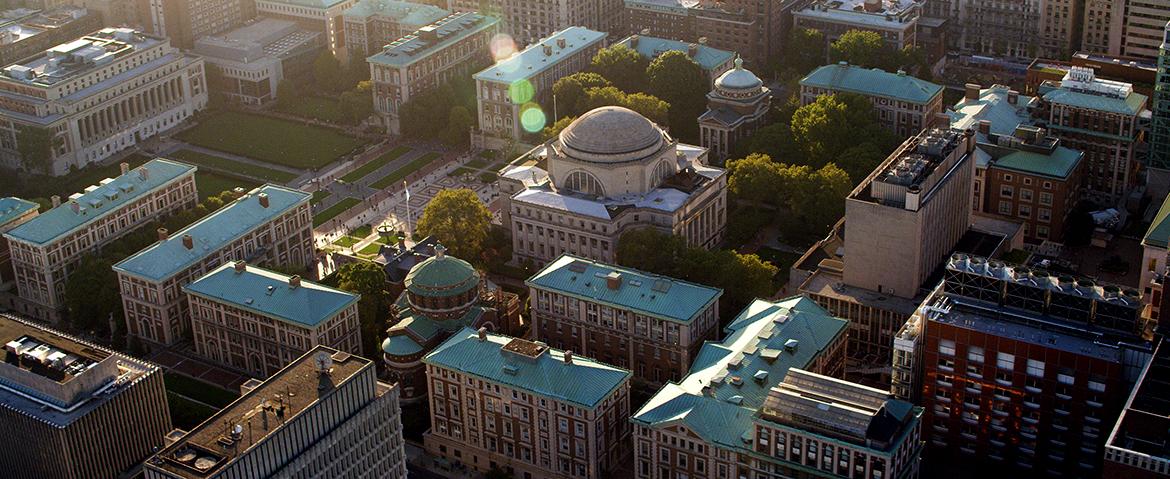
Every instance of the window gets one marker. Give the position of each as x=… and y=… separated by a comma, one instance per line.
x=1006, y=191
x=1096, y=386
x=1007, y=177
x=1035, y=368
x=946, y=347
x=1066, y=379
x=1045, y=198
x=975, y=354
x=1026, y=194
x=1005, y=361
x=1005, y=208
x=1025, y=211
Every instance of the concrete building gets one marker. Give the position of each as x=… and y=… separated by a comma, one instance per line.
x=707, y=425
x=653, y=325
x=269, y=225
x=73, y=409
x=46, y=248
x=97, y=95
x=895, y=20
x=253, y=59
x=1158, y=176
x=185, y=21
x=530, y=410
x=1136, y=448
x=905, y=105
x=371, y=24
x=530, y=21
x=324, y=415
x=713, y=61
x=1048, y=28
x=1144, y=30
x=323, y=16
x=441, y=295
x=753, y=29
x=452, y=47
x=1021, y=371
x=255, y=320
x=1103, y=24
x=510, y=93
x=610, y=171
x=13, y=213
x=24, y=32
x=736, y=108
x=1103, y=118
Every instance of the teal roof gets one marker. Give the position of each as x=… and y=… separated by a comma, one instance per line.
x=1058, y=164
x=309, y=3
x=413, y=47
x=584, y=381
x=1132, y=104
x=441, y=276
x=268, y=293
x=532, y=60
x=1159, y=233
x=414, y=329
x=707, y=57
x=658, y=296
x=12, y=208
x=719, y=396
x=164, y=259
x=403, y=13
x=100, y=201
x=875, y=82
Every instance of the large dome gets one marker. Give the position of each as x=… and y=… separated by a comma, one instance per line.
x=611, y=134
x=441, y=276
x=738, y=78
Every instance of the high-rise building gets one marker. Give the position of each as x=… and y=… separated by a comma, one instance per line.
x=268, y=225
x=653, y=325
x=529, y=21
x=896, y=21
x=46, y=248
x=708, y=424
x=1159, y=153
x=1137, y=448
x=324, y=415
x=372, y=24
x=24, y=32
x=1050, y=28
x=1102, y=29
x=736, y=108
x=1145, y=25
x=72, y=409
x=754, y=29
x=536, y=412
x=321, y=16
x=1024, y=370
x=252, y=60
x=452, y=47
x=184, y=21
x=95, y=96
x=904, y=105
x=256, y=320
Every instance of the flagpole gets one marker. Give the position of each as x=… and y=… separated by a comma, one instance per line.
x=409, y=229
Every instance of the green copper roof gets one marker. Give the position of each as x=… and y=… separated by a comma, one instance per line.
x=875, y=82
x=209, y=235
x=532, y=60
x=268, y=293
x=403, y=13
x=440, y=276
x=413, y=47
x=1131, y=105
x=659, y=296
x=12, y=208
x=584, y=381
x=309, y=3
x=100, y=201
x=401, y=345
x=719, y=396
x=1159, y=233
x=414, y=329
x=1059, y=164
x=707, y=57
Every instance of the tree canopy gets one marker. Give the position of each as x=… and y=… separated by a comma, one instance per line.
x=648, y=106
x=369, y=280
x=434, y=107
x=92, y=296
x=816, y=197
x=676, y=79
x=570, y=91
x=804, y=52
x=621, y=65
x=327, y=73
x=825, y=128
x=458, y=220
x=868, y=49
x=35, y=145
x=357, y=104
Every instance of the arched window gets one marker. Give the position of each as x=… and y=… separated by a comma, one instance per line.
x=662, y=171
x=585, y=183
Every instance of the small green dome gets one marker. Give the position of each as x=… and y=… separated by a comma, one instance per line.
x=441, y=276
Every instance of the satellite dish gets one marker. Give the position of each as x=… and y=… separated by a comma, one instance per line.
x=324, y=362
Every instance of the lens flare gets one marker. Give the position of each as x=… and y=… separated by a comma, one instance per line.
x=532, y=118
x=521, y=91
x=502, y=46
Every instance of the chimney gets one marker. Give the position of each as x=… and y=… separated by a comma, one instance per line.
x=75, y=206
x=143, y=174
x=873, y=6
x=568, y=357
x=125, y=167
x=188, y=242
x=56, y=200
x=294, y=281
x=402, y=243
x=971, y=92
x=634, y=42
x=482, y=334
x=163, y=234
x=1013, y=97
x=985, y=127
x=263, y=197
x=561, y=43
x=547, y=50
x=692, y=50
x=702, y=40
x=613, y=280
x=240, y=266
x=440, y=251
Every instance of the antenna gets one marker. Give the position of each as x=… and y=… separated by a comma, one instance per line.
x=324, y=362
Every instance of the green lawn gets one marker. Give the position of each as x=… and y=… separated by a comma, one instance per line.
x=399, y=174
x=212, y=184
x=224, y=164
x=345, y=204
x=489, y=154
x=199, y=390
x=320, y=195
x=374, y=164
x=459, y=172
x=324, y=109
x=346, y=241
x=496, y=166
x=362, y=231
x=186, y=414
x=371, y=248
x=487, y=177
x=477, y=164
x=273, y=140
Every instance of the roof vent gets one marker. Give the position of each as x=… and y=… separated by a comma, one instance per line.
x=143, y=173
x=188, y=242
x=760, y=375
x=613, y=280
x=294, y=281
x=263, y=197
x=240, y=266
x=482, y=334
x=791, y=345
x=568, y=357
x=737, y=400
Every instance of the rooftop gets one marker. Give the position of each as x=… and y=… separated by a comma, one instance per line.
x=872, y=82
x=99, y=200
x=995, y=105
x=69, y=60
x=730, y=380
x=529, y=366
x=1159, y=233
x=308, y=3
x=264, y=38
x=651, y=47
x=1059, y=163
x=272, y=294
x=911, y=174
x=248, y=421
x=12, y=209
x=418, y=45
x=541, y=55
x=23, y=23
x=860, y=12
x=1080, y=88
x=1143, y=425
x=208, y=236
x=402, y=13
x=653, y=295
x=442, y=276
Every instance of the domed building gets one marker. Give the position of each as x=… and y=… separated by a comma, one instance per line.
x=735, y=109
x=609, y=171
x=441, y=295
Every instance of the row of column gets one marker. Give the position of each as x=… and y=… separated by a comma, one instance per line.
x=113, y=116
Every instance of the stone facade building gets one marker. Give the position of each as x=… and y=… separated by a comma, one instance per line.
x=320, y=16
x=372, y=24
x=896, y=21
x=184, y=21
x=754, y=29
x=530, y=21
x=905, y=105
x=736, y=108
x=13, y=212
x=252, y=60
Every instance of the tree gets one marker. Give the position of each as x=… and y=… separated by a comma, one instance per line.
x=774, y=140
x=804, y=51
x=648, y=106
x=678, y=80
x=753, y=179
x=358, y=104
x=286, y=94
x=860, y=160
x=555, y=129
x=91, y=295
x=866, y=49
x=425, y=111
x=648, y=249
x=35, y=145
x=459, y=125
x=822, y=130
x=459, y=220
x=216, y=83
x=327, y=73
x=570, y=91
x=622, y=66
x=369, y=280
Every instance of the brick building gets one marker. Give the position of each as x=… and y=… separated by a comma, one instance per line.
x=372, y=24
x=904, y=105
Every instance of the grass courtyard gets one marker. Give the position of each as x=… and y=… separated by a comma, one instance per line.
x=374, y=164
x=272, y=140
x=401, y=173
x=212, y=184
x=319, y=108
x=224, y=164
x=332, y=211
